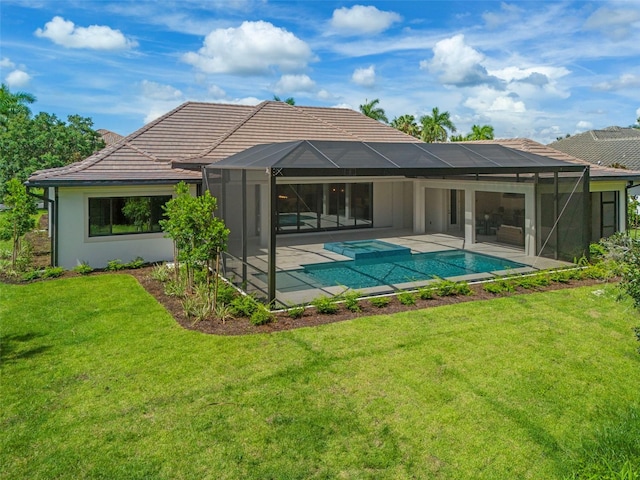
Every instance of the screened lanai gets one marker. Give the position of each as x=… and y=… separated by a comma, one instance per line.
x=279, y=194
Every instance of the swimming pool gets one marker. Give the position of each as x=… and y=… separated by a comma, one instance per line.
x=374, y=272
x=360, y=249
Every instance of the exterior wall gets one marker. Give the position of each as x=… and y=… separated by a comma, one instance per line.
x=392, y=204
x=74, y=244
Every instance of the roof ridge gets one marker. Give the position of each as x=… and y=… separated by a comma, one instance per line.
x=153, y=123
x=228, y=133
x=321, y=120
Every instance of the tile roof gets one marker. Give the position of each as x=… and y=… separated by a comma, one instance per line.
x=196, y=134
x=109, y=137
x=610, y=146
x=596, y=171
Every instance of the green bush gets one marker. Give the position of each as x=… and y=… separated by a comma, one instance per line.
x=630, y=283
x=135, y=263
x=425, y=293
x=160, y=273
x=226, y=292
x=447, y=288
x=115, y=265
x=83, y=269
x=175, y=289
x=499, y=287
x=406, y=298
x=52, y=272
x=325, y=305
x=196, y=307
x=296, y=312
x=244, y=305
x=32, y=275
x=351, y=301
x=261, y=316
x=380, y=302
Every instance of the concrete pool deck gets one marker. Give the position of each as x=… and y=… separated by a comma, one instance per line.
x=295, y=251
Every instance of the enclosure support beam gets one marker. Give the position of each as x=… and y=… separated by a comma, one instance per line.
x=271, y=247
x=244, y=226
x=586, y=195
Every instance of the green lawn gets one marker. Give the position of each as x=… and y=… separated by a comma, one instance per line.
x=98, y=381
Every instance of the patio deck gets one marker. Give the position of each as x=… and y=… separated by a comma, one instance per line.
x=294, y=251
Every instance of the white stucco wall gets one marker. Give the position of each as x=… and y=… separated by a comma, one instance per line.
x=74, y=244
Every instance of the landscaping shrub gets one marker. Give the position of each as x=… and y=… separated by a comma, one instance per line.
x=32, y=275
x=446, y=288
x=115, y=265
x=325, y=304
x=223, y=312
x=296, y=312
x=83, y=269
x=244, y=305
x=261, y=316
x=425, y=293
x=499, y=287
x=160, y=273
x=406, y=298
x=379, y=302
x=196, y=307
x=52, y=272
x=226, y=292
x=351, y=301
x=630, y=283
x=174, y=288
x=135, y=263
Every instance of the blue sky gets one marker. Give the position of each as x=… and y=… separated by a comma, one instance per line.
x=531, y=69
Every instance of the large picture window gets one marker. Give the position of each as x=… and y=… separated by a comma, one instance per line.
x=329, y=206
x=125, y=215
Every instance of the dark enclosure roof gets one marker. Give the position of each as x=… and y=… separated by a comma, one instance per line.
x=309, y=157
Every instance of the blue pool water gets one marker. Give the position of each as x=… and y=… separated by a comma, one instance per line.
x=401, y=269
x=360, y=249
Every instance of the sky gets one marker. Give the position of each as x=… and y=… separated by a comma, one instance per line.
x=536, y=70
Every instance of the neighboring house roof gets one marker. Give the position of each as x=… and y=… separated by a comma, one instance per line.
x=197, y=134
x=109, y=137
x=596, y=171
x=610, y=146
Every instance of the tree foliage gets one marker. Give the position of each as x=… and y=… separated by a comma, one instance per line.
x=372, y=110
x=406, y=124
x=29, y=143
x=198, y=235
x=478, y=132
x=435, y=126
x=18, y=220
x=290, y=100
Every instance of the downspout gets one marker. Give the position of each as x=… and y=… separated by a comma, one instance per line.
x=53, y=222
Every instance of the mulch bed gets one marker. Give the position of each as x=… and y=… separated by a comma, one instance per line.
x=311, y=318
x=242, y=326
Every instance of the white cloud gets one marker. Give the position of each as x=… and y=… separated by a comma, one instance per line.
x=365, y=77
x=216, y=92
x=17, y=79
x=627, y=80
x=507, y=104
x=289, y=84
x=6, y=63
x=95, y=37
x=458, y=64
x=584, y=125
x=251, y=49
x=157, y=91
x=615, y=24
x=360, y=19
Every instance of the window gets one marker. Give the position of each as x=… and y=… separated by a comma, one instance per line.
x=332, y=206
x=125, y=215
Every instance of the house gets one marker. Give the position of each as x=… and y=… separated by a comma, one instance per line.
x=290, y=176
x=612, y=147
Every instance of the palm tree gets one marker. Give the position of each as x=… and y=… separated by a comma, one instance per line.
x=435, y=126
x=406, y=124
x=484, y=132
x=290, y=100
x=370, y=110
x=12, y=104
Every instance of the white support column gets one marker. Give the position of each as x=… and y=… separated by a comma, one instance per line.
x=530, y=223
x=469, y=217
x=418, y=208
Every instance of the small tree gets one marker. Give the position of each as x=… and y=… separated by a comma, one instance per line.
x=197, y=234
x=18, y=219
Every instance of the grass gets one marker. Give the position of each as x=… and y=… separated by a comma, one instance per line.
x=519, y=387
